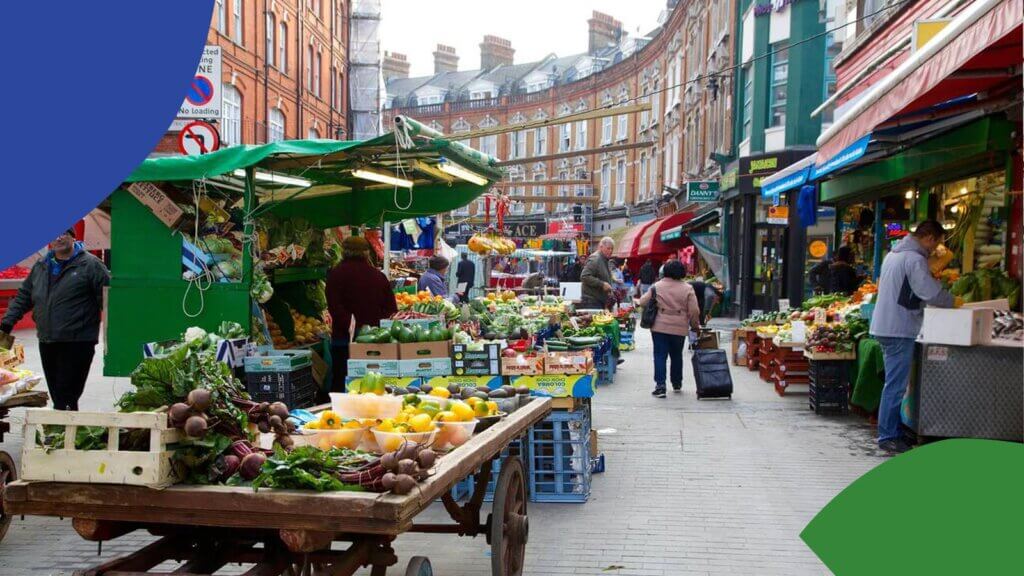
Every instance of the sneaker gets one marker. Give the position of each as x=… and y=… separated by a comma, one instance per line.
x=677, y=389
x=894, y=446
x=656, y=391
x=660, y=393
x=620, y=361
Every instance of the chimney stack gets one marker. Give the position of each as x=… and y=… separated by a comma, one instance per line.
x=395, y=65
x=495, y=51
x=604, y=30
x=445, y=59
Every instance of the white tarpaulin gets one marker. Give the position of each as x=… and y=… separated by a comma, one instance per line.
x=709, y=245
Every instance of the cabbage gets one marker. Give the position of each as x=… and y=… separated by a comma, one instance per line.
x=194, y=333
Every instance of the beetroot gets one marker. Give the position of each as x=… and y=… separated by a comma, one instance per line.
x=231, y=464
x=389, y=461
x=200, y=399
x=388, y=481
x=279, y=409
x=285, y=441
x=427, y=458
x=403, y=484
x=195, y=427
x=179, y=413
x=251, y=465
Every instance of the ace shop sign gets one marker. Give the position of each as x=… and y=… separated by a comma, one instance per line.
x=702, y=191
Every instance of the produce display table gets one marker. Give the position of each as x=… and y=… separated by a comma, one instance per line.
x=990, y=406
x=828, y=381
x=8, y=472
x=753, y=349
x=789, y=366
x=210, y=526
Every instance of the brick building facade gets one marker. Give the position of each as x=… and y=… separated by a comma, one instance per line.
x=633, y=185
x=284, y=66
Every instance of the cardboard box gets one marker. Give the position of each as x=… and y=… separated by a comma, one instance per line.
x=707, y=341
x=373, y=351
x=491, y=382
x=389, y=381
x=593, y=442
x=957, y=327
x=278, y=360
x=558, y=385
x=359, y=368
x=476, y=363
x=425, y=367
x=158, y=202
x=531, y=366
x=576, y=362
x=426, y=323
x=319, y=369
x=428, y=350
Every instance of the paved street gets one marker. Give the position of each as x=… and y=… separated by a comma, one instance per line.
x=709, y=487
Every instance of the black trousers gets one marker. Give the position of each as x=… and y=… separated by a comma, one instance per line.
x=66, y=368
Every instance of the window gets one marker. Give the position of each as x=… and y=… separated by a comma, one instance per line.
x=231, y=130
x=832, y=48
x=621, y=133
x=271, y=27
x=282, y=47
x=489, y=145
x=655, y=103
x=540, y=142
x=309, y=67
x=748, y=95
x=641, y=192
x=581, y=135
x=606, y=183
x=620, y=184
x=317, y=67
x=480, y=94
x=339, y=98
x=275, y=131
x=581, y=189
x=565, y=136
x=563, y=190
x=313, y=134
x=339, y=12
x=606, y=130
x=780, y=75
x=539, y=191
x=222, y=18
x=645, y=116
x=517, y=144
x=652, y=173
x=236, y=32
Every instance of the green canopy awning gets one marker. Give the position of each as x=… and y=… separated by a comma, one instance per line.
x=313, y=178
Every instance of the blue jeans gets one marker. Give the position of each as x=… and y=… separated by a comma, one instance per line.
x=898, y=354
x=668, y=346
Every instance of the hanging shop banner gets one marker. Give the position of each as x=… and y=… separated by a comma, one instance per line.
x=702, y=191
x=525, y=229
x=847, y=156
x=794, y=180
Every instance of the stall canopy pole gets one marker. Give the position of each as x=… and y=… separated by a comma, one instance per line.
x=387, y=249
x=879, y=238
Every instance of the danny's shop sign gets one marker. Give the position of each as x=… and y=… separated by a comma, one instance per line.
x=702, y=191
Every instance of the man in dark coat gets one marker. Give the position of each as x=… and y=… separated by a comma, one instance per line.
x=64, y=291
x=465, y=273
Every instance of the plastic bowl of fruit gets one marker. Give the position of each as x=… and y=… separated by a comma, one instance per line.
x=348, y=437
x=391, y=441
x=349, y=405
x=454, y=434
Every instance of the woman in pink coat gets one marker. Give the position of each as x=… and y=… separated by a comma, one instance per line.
x=678, y=314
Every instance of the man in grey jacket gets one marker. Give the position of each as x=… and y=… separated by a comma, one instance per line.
x=597, y=276
x=905, y=286
x=64, y=291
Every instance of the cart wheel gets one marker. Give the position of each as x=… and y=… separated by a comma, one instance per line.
x=419, y=566
x=508, y=524
x=7, y=474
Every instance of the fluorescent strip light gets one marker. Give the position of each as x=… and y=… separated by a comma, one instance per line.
x=460, y=172
x=381, y=177
x=276, y=178
x=433, y=171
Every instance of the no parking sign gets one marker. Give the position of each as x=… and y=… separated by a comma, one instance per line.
x=198, y=138
x=203, y=93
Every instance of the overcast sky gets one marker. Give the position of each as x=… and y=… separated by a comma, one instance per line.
x=535, y=27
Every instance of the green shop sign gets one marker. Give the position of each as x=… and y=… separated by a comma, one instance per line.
x=728, y=180
x=672, y=234
x=702, y=191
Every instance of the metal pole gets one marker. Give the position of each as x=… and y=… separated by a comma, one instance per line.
x=387, y=249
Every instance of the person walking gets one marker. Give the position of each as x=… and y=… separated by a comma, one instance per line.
x=465, y=273
x=64, y=291
x=355, y=289
x=434, y=278
x=678, y=314
x=904, y=287
x=648, y=276
x=597, y=278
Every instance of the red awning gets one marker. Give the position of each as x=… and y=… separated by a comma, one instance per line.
x=972, y=54
x=650, y=240
x=627, y=247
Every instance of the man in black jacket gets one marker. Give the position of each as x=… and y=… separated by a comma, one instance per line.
x=465, y=273
x=64, y=291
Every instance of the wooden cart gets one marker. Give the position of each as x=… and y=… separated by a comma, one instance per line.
x=291, y=531
x=8, y=473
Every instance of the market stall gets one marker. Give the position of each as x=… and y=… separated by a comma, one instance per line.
x=16, y=391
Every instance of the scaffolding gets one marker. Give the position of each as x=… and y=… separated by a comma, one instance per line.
x=366, y=80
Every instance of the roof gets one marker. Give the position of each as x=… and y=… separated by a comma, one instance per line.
x=510, y=74
x=401, y=88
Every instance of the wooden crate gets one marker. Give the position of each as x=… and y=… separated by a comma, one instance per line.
x=11, y=359
x=111, y=466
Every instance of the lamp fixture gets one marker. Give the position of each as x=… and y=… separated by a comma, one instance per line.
x=909, y=195
x=454, y=169
x=276, y=178
x=382, y=177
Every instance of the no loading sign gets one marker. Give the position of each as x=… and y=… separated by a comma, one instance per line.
x=198, y=138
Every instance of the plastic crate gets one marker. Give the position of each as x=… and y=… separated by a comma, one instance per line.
x=296, y=388
x=558, y=448
x=463, y=489
x=829, y=399
x=829, y=372
x=625, y=337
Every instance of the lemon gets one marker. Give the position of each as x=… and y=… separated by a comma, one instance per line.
x=421, y=423
x=462, y=411
x=403, y=417
x=440, y=393
x=481, y=410
x=473, y=401
x=387, y=425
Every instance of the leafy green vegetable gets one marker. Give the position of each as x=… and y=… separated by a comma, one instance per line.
x=308, y=468
x=195, y=460
x=86, y=438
